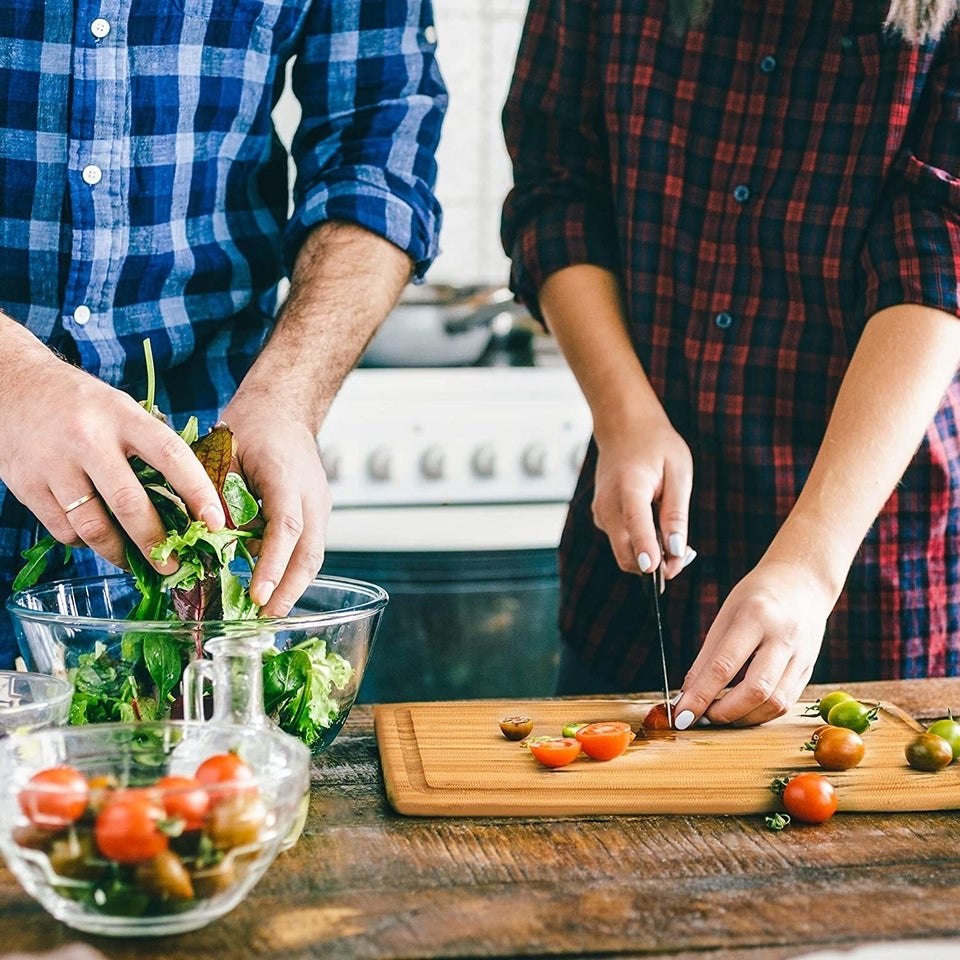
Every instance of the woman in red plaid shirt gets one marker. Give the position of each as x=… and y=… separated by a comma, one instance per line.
x=741, y=222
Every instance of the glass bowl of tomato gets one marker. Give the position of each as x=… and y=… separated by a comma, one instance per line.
x=125, y=657
x=147, y=829
x=29, y=701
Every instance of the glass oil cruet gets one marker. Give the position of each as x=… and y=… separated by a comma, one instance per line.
x=235, y=672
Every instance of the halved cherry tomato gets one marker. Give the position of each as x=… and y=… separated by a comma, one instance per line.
x=605, y=740
x=184, y=798
x=516, y=728
x=55, y=797
x=127, y=829
x=656, y=718
x=555, y=751
x=810, y=798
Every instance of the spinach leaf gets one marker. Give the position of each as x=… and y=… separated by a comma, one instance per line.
x=161, y=654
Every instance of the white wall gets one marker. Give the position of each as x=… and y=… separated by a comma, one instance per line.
x=477, y=44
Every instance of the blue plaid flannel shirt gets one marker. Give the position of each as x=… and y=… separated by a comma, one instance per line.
x=143, y=189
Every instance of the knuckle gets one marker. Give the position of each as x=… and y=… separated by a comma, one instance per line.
x=778, y=703
x=128, y=499
x=94, y=530
x=721, y=668
x=760, y=690
x=288, y=525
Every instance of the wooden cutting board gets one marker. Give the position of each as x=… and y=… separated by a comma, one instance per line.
x=450, y=759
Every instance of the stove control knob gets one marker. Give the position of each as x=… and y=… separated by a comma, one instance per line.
x=332, y=464
x=432, y=463
x=484, y=461
x=380, y=464
x=534, y=460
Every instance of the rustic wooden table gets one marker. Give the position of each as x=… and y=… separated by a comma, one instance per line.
x=364, y=882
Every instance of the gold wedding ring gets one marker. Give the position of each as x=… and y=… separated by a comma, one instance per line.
x=80, y=501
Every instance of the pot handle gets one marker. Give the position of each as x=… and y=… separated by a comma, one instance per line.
x=500, y=301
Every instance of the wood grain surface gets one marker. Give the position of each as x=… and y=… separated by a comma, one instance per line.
x=364, y=883
x=450, y=759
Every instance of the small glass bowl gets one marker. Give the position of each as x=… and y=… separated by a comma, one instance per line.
x=108, y=846
x=30, y=701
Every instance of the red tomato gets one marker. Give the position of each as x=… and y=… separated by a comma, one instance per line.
x=605, y=740
x=127, y=829
x=225, y=774
x=186, y=799
x=810, y=798
x=656, y=718
x=555, y=751
x=55, y=797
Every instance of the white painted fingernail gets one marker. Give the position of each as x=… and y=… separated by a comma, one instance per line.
x=688, y=558
x=683, y=720
x=675, y=544
x=645, y=563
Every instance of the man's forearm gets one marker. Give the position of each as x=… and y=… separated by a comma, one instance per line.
x=903, y=364
x=345, y=281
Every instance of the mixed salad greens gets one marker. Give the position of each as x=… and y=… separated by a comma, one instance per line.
x=140, y=680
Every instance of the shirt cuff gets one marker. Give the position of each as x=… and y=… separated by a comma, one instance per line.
x=406, y=214
x=555, y=238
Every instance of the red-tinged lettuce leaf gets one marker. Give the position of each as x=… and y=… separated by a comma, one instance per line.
x=215, y=451
x=202, y=601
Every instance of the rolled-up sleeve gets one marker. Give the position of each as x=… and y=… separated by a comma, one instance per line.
x=912, y=254
x=373, y=102
x=559, y=212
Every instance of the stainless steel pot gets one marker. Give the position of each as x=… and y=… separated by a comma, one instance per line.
x=440, y=326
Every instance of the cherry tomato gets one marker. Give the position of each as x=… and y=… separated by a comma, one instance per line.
x=928, y=752
x=656, y=718
x=570, y=729
x=949, y=729
x=55, y=797
x=226, y=773
x=605, y=740
x=555, y=751
x=838, y=748
x=810, y=798
x=165, y=876
x=516, y=728
x=184, y=798
x=236, y=821
x=127, y=829
x=827, y=703
x=852, y=714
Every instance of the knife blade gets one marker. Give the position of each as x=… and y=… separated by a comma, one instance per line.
x=657, y=589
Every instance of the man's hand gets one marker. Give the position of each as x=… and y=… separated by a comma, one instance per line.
x=65, y=442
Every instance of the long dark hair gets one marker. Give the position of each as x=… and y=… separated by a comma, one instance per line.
x=914, y=20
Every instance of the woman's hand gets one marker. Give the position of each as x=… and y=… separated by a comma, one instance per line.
x=642, y=498
x=773, y=621
x=65, y=443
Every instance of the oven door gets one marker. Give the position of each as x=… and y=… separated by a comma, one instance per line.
x=473, y=598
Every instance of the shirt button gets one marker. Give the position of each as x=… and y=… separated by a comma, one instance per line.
x=430, y=34
x=741, y=193
x=100, y=28
x=846, y=42
x=82, y=314
x=723, y=320
x=92, y=174
x=768, y=64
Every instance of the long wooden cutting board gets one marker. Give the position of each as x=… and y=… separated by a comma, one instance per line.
x=450, y=759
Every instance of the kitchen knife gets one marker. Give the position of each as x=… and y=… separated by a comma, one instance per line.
x=657, y=590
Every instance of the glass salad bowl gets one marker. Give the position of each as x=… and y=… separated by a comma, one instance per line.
x=125, y=670
x=145, y=829
x=29, y=701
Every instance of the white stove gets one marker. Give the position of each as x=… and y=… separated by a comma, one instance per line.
x=453, y=458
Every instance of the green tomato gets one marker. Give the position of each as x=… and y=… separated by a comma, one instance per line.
x=949, y=729
x=827, y=703
x=853, y=715
x=570, y=729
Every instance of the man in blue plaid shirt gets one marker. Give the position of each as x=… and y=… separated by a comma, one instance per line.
x=143, y=194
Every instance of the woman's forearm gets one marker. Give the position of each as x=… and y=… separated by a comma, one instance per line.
x=583, y=309
x=902, y=365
